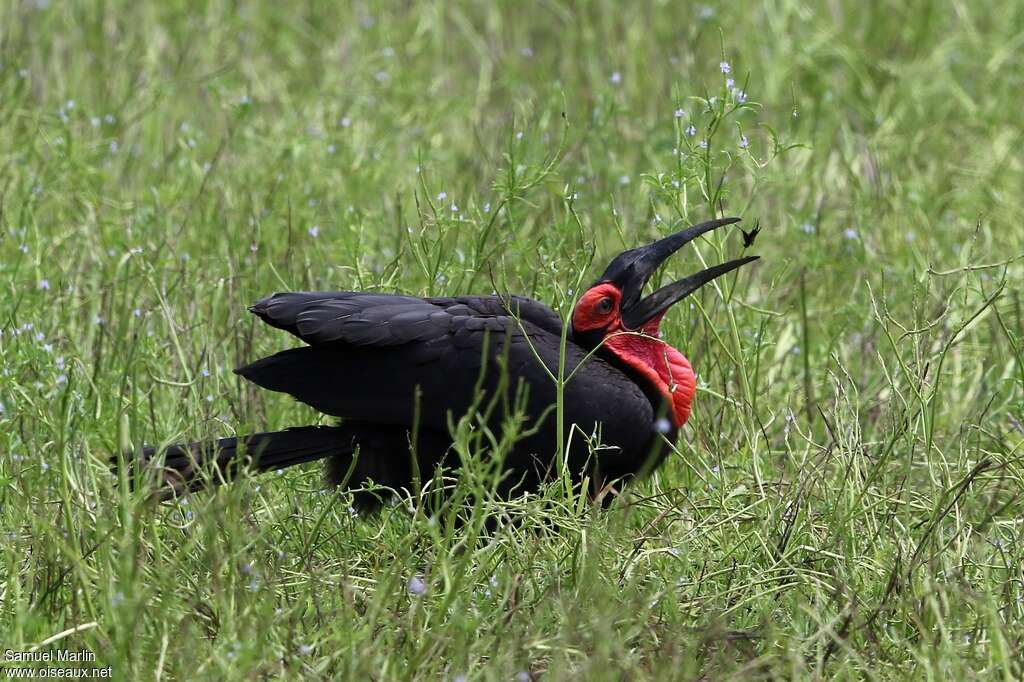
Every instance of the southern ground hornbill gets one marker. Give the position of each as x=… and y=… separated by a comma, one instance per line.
x=390, y=366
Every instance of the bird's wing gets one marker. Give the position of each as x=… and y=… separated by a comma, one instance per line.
x=369, y=354
x=368, y=319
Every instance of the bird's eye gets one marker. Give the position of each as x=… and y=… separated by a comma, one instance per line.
x=604, y=306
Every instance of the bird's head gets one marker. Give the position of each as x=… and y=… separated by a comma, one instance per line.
x=613, y=315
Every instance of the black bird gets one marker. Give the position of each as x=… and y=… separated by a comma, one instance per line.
x=390, y=365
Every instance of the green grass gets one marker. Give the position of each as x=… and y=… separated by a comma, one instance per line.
x=846, y=499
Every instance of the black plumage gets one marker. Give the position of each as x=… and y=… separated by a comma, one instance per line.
x=370, y=355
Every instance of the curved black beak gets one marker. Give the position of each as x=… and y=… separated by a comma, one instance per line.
x=632, y=269
x=636, y=315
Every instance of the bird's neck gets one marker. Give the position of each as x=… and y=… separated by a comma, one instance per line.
x=662, y=366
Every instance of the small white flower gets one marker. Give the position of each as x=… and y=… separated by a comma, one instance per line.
x=346, y=122
x=441, y=196
x=744, y=142
x=741, y=96
x=724, y=66
x=47, y=347
x=487, y=207
x=113, y=146
x=850, y=233
x=314, y=231
x=616, y=78
x=729, y=83
x=808, y=228
x=526, y=51
x=137, y=312
x=331, y=149
x=691, y=130
x=23, y=248
x=44, y=284
x=117, y=599
x=663, y=425
x=679, y=113
x=382, y=76
x=416, y=586
x=305, y=650
x=109, y=118
x=703, y=144
x=94, y=121
x=624, y=180
x=209, y=398
x=523, y=676
x=454, y=207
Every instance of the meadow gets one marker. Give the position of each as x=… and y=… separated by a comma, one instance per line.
x=846, y=500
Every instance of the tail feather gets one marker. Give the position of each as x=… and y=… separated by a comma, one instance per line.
x=188, y=467
x=357, y=454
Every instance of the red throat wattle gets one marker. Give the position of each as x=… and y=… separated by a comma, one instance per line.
x=660, y=363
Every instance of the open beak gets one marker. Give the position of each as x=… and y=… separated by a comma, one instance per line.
x=632, y=269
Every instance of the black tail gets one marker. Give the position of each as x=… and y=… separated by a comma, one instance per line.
x=192, y=466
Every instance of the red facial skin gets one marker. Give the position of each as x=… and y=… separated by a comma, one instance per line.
x=641, y=349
